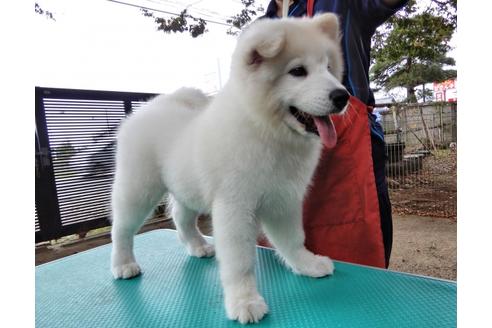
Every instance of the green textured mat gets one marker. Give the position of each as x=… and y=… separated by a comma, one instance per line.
x=180, y=291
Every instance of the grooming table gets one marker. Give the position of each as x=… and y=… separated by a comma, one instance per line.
x=177, y=290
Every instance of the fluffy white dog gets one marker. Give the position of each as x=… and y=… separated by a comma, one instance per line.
x=245, y=157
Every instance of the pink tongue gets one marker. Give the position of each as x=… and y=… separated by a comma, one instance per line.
x=327, y=131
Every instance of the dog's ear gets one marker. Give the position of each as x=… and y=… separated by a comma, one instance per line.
x=265, y=45
x=328, y=23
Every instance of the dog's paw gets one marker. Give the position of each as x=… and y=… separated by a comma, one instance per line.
x=315, y=266
x=247, y=309
x=204, y=250
x=126, y=271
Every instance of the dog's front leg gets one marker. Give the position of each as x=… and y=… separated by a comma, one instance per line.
x=235, y=233
x=285, y=231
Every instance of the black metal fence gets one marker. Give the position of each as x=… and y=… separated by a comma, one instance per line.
x=76, y=139
x=75, y=147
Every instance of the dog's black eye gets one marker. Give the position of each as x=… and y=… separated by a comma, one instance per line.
x=329, y=67
x=298, y=71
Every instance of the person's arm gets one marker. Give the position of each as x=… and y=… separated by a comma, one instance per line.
x=392, y=3
x=375, y=12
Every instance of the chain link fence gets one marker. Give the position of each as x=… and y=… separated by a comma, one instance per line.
x=421, y=147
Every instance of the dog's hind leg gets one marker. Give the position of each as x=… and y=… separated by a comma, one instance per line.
x=185, y=221
x=132, y=204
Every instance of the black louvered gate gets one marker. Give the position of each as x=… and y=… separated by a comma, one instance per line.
x=75, y=148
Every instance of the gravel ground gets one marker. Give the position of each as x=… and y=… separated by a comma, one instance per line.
x=424, y=246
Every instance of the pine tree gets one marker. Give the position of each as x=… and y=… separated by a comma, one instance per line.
x=410, y=49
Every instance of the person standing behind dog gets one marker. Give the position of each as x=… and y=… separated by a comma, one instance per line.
x=342, y=218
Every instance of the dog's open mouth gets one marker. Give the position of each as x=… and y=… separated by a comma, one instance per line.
x=322, y=126
x=305, y=119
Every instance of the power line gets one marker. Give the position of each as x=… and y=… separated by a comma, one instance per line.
x=201, y=11
x=165, y=12
x=194, y=3
x=195, y=10
x=198, y=11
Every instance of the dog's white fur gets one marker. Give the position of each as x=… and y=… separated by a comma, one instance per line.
x=240, y=157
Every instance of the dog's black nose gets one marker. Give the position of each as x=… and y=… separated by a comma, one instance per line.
x=339, y=97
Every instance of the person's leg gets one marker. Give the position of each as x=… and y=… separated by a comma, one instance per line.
x=379, y=164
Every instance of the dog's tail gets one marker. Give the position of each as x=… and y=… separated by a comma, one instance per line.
x=191, y=98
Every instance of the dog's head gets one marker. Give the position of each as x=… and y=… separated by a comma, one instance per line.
x=290, y=70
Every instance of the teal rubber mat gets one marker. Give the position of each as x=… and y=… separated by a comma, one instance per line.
x=176, y=290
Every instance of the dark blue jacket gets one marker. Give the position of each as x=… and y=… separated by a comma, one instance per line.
x=358, y=20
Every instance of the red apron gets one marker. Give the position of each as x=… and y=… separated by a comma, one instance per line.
x=341, y=210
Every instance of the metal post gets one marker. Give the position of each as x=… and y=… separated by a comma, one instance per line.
x=46, y=194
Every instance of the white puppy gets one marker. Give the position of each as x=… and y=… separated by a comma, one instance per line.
x=246, y=157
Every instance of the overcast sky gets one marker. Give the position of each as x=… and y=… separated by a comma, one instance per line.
x=104, y=45
x=97, y=44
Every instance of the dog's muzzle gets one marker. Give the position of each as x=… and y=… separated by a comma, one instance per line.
x=321, y=126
